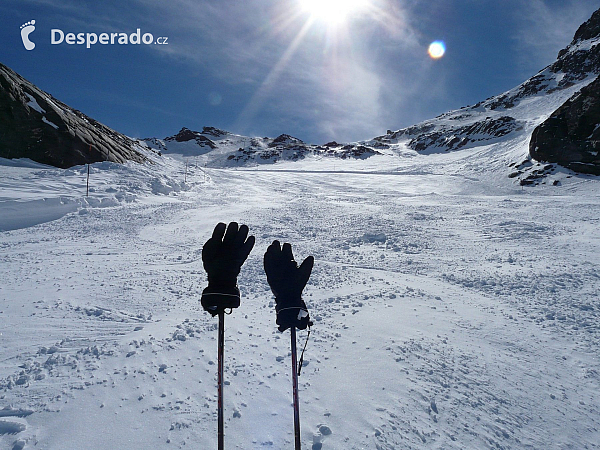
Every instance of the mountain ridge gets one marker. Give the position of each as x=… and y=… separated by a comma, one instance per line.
x=515, y=112
x=229, y=149
x=36, y=125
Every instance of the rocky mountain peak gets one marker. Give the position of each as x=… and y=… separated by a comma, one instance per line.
x=588, y=30
x=571, y=135
x=184, y=135
x=496, y=117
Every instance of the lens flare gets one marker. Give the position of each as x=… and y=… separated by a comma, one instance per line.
x=437, y=49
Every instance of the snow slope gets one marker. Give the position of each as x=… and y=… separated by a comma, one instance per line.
x=453, y=307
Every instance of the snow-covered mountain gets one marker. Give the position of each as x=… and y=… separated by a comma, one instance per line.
x=510, y=116
x=516, y=112
x=36, y=125
x=225, y=149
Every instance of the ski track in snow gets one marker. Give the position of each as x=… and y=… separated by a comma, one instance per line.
x=451, y=311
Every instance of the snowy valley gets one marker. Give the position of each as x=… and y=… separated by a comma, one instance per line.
x=453, y=307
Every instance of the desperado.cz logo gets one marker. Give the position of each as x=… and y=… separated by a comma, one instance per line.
x=58, y=36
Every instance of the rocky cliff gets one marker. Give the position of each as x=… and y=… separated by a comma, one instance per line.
x=571, y=135
x=35, y=125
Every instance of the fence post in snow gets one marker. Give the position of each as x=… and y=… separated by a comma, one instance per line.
x=87, y=189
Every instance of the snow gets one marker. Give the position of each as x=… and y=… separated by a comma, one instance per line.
x=33, y=104
x=453, y=308
x=583, y=45
x=53, y=125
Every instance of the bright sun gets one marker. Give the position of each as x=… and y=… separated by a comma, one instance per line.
x=332, y=11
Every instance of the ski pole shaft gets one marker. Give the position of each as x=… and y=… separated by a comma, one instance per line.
x=295, y=389
x=220, y=379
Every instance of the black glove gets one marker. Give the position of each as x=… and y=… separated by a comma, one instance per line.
x=223, y=256
x=287, y=281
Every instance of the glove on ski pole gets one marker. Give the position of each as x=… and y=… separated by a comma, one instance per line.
x=287, y=281
x=223, y=256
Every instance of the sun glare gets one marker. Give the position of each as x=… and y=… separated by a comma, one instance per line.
x=332, y=11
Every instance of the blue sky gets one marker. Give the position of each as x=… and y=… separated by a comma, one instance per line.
x=266, y=67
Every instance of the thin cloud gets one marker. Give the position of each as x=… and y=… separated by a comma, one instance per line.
x=345, y=86
x=546, y=27
x=233, y=40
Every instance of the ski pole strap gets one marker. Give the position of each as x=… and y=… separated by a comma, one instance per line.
x=221, y=294
x=302, y=355
x=217, y=298
x=292, y=316
x=292, y=307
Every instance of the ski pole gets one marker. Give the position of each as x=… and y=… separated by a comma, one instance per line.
x=222, y=256
x=287, y=280
x=295, y=389
x=220, y=378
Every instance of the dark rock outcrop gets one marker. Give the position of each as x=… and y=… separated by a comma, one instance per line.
x=589, y=29
x=271, y=154
x=453, y=138
x=286, y=150
x=35, y=125
x=357, y=152
x=571, y=135
x=285, y=140
x=185, y=135
x=214, y=132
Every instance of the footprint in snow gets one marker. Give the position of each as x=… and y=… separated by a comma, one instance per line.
x=318, y=438
x=19, y=444
x=10, y=427
x=11, y=412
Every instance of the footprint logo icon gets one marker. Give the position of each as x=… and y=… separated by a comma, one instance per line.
x=26, y=29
